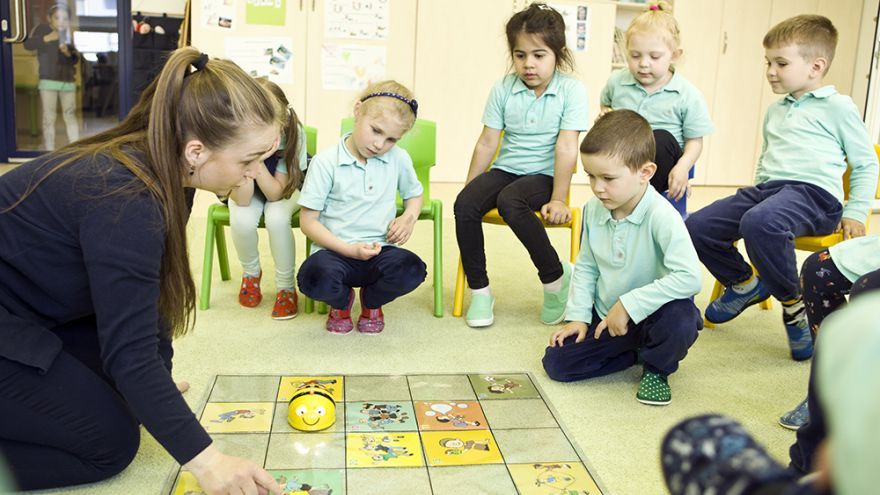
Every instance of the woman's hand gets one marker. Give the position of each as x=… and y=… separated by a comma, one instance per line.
x=220, y=474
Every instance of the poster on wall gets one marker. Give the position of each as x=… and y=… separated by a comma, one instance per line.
x=577, y=18
x=219, y=13
x=357, y=19
x=266, y=12
x=352, y=67
x=270, y=57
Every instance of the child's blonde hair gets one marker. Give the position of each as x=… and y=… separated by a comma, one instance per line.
x=814, y=35
x=657, y=19
x=389, y=97
x=621, y=134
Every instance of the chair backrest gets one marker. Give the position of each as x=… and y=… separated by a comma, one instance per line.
x=421, y=144
x=846, y=178
x=311, y=140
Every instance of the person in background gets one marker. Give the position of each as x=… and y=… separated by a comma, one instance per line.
x=58, y=59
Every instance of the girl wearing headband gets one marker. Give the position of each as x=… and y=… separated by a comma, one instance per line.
x=95, y=280
x=348, y=209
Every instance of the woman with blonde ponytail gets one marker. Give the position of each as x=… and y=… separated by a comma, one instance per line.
x=95, y=280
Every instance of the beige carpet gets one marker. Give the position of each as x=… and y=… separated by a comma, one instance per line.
x=741, y=368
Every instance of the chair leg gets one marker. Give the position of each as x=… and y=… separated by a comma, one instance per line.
x=437, y=214
x=458, y=302
x=717, y=289
x=222, y=252
x=575, y=234
x=308, y=303
x=207, y=266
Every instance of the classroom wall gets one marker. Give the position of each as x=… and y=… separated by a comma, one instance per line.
x=175, y=7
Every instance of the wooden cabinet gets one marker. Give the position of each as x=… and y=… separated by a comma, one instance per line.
x=304, y=25
x=724, y=57
x=462, y=51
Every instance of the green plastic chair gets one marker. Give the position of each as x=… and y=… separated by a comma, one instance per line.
x=421, y=144
x=215, y=233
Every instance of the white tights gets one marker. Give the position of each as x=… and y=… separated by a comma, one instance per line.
x=243, y=221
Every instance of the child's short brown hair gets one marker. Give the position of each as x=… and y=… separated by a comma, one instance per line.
x=815, y=36
x=622, y=134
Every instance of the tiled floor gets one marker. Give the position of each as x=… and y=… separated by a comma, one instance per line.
x=420, y=434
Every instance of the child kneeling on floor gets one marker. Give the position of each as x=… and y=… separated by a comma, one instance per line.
x=348, y=209
x=636, y=272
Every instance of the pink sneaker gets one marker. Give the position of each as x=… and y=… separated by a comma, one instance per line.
x=371, y=321
x=339, y=320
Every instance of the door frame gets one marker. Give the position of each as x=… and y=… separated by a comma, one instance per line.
x=8, y=151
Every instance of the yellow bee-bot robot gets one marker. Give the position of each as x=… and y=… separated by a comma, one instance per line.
x=311, y=408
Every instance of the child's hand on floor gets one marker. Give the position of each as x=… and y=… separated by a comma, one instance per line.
x=364, y=251
x=851, y=228
x=616, y=322
x=570, y=328
x=400, y=229
x=555, y=212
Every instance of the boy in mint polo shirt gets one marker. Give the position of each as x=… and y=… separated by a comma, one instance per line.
x=636, y=272
x=809, y=136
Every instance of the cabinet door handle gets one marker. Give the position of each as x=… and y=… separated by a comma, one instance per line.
x=313, y=5
x=300, y=5
x=724, y=44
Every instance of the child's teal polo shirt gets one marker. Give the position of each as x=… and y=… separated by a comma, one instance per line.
x=644, y=260
x=811, y=139
x=531, y=125
x=678, y=107
x=358, y=201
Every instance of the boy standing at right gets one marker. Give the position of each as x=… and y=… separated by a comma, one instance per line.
x=809, y=136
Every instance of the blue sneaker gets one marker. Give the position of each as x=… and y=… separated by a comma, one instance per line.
x=732, y=303
x=797, y=417
x=480, y=313
x=800, y=341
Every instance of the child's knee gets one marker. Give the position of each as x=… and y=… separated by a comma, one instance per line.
x=511, y=204
x=277, y=219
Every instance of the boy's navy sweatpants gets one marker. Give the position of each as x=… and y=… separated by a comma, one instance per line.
x=661, y=340
x=767, y=217
x=329, y=276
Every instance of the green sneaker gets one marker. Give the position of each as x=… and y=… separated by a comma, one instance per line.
x=654, y=389
x=553, y=310
x=479, y=313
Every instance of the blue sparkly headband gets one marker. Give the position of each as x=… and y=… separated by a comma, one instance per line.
x=413, y=104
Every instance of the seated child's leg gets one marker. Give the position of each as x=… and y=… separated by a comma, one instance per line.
x=866, y=283
x=517, y=204
x=813, y=432
x=392, y=273
x=278, y=216
x=667, y=334
x=788, y=210
x=825, y=288
x=475, y=200
x=591, y=358
x=243, y=221
x=715, y=228
x=327, y=276
x=714, y=454
x=667, y=154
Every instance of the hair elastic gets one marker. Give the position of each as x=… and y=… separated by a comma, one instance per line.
x=655, y=6
x=201, y=62
x=412, y=103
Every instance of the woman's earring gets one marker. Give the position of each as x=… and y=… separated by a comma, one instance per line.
x=192, y=170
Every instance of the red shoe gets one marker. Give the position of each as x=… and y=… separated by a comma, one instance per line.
x=285, y=305
x=372, y=321
x=339, y=320
x=250, y=295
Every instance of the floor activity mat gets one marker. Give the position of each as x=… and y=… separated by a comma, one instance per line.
x=432, y=434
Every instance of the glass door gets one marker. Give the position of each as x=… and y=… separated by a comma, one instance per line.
x=59, y=64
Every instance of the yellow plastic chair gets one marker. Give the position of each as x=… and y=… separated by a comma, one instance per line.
x=215, y=233
x=494, y=218
x=421, y=144
x=807, y=243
